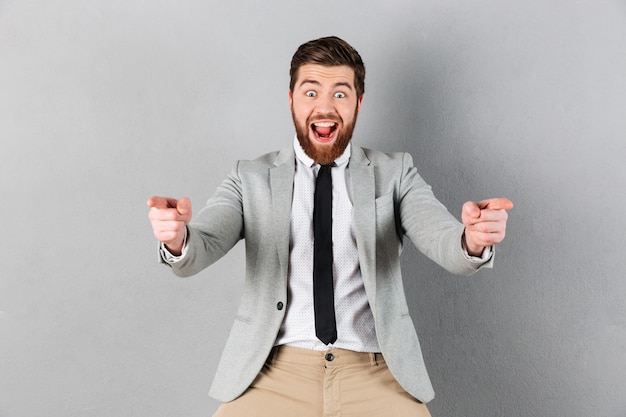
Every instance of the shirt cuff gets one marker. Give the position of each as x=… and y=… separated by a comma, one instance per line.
x=167, y=256
x=486, y=253
x=483, y=257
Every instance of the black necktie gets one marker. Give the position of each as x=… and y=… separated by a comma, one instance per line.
x=323, y=293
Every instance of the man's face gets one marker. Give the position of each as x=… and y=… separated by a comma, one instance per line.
x=324, y=107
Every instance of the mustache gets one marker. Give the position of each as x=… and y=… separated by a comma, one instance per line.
x=334, y=117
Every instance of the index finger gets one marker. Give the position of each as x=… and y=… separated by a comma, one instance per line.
x=161, y=202
x=496, y=204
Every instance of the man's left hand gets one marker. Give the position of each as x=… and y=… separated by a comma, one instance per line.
x=485, y=223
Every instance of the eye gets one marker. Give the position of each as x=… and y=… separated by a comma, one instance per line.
x=340, y=95
x=310, y=93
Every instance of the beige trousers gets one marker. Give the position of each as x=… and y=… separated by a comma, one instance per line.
x=337, y=383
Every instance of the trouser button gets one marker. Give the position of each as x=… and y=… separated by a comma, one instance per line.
x=329, y=357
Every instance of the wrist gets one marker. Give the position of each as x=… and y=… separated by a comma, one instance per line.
x=174, y=249
x=471, y=248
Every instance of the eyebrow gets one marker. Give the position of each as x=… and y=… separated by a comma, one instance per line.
x=339, y=84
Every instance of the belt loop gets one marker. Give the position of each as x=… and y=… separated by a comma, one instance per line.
x=373, y=361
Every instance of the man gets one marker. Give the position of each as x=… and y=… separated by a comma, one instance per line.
x=323, y=327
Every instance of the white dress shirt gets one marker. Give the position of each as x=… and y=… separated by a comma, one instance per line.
x=355, y=322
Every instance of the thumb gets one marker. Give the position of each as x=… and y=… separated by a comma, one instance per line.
x=496, y=204
x=183, y=206
x=470, y=210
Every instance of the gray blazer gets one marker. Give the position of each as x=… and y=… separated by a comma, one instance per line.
x=390, y=201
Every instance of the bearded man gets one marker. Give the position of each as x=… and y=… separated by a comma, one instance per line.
x=323, y=328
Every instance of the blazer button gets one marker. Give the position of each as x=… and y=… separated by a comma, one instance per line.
x=280, y=305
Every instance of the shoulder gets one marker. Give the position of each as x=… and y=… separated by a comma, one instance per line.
x=382, y=159
x=268, y=160
x=265, y=159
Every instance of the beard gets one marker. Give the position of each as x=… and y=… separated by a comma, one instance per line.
x=324, y=155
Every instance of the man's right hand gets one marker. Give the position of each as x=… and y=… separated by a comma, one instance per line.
x=169, y=217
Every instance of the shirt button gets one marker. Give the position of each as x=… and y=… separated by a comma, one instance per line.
x=329, y=357
x=280, y=305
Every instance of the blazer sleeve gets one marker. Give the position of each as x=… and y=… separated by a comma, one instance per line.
x=430, y=226
x=215, y=229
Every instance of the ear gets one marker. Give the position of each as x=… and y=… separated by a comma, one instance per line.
x=358, y=104
x=290, y=94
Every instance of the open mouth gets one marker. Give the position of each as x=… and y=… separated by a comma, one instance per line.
x=324, y=131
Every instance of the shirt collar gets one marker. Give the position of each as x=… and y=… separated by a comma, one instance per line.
x=308, y=161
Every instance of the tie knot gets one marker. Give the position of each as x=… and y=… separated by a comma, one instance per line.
x=325, y=168
x=323, y=175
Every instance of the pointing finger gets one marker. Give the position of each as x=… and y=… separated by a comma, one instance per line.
x=161, y=202
x=496, y=204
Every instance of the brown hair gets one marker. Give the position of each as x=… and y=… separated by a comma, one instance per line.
x=329, y=51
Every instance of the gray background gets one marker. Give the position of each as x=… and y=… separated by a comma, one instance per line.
x=104, y=103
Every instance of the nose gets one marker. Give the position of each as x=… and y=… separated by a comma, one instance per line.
x=325, y=105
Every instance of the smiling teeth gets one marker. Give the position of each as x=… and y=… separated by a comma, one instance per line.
x=324, y=124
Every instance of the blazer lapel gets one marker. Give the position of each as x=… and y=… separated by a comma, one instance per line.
x=363, y=196
x=281, y=184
